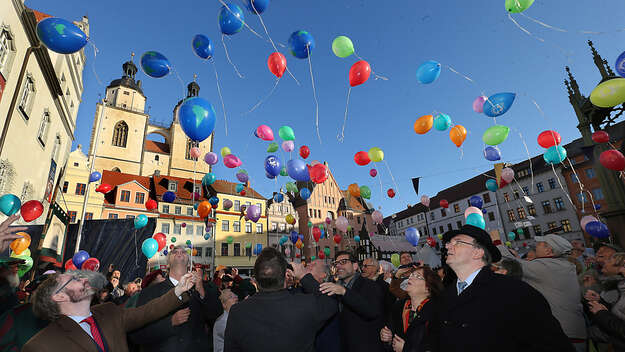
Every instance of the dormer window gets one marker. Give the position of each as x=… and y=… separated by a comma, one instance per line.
x=172, y=186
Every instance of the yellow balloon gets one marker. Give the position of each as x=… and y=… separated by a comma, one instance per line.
x=290, y=219
x=609, y=93
x=225, y=151
x=376, y=154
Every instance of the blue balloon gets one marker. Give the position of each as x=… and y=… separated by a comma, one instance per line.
x=165, y=252
x=620, y=64
x=442, y=122
x=231, y=19
x=95, y=176
x=412, y=236
x=301, y=44
x=555, y=154
x=10, y=204
x=428, y=72
x=476, y=220
x=149, y=247
x=259, y=248
x=476, y=201
x=207, y=236
x=298, y=170
x=492, y=153
x=484, y=211
x=269, y=176
x=511, y=236
x=491, y=185
x=155, y=64
x=239, y=187
x=278, y=198
x=196, y=205
x=169, y=196
x=356, y=238
x=213, y=200
x=257, y=6
x=81, y=256
x=498, y=104
x=301, y=237
x=202, y=46
x=197, y=118
x=304, y=193
x=597, y=206
x=273, y=165
x=294, y=236
x=597, y=229
x=61, y=36
x=208, y=179
x=140, y=222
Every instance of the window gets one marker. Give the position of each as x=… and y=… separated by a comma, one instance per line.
x=566, y=225
x=539, y=187
x=434, y=230
x=126, y=92
x=459, y=224
x=523, y=173
x=190, y=144
x=178, y=210
x=224, y=249
x=449, y=227
x=558, y=203
x=547, y=207
x=537, y=230
x=42, y=134
x=236, y=226
x=552, y=183
x=237, y=205
x=590, y=173
x=27, y=97
x=432, y=216
x=166, y=209
x=112, y=216
x=581, y=198
x=156, y=158
x=531, y=210
x=441, y=228
x=521, y=212
x=189, y=230
x=125, y=196
x=5, y=48
x=456, y=208
x=237, y=250
x=516, y=194
x=443, y=212
x=248, y=227
x=190, y=211
x=120, y=134
x=88, y=216
x=597, y=193
x=248, y=251
x=172, y=186
x=72, y=216
x=80, y=189
x=139, y=198
x=208, y=252
x=165, y=228
x=57, y=147
x=358, y=219
x=310, y=214
x=225, y=225
x=65, y=186
x=526, y=191
x=282, y=227
x=259, y=228
x=574, y=178
x=511, y=215
x=486, y=197
x=274, y=226
x=199, y=230
x=506, y=197
x=491, y=216
x=177, y=229
x=130, y=216
x=552, y=225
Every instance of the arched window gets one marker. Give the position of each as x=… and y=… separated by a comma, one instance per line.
x=190, y=144
x=120, y=134
x=116, y=169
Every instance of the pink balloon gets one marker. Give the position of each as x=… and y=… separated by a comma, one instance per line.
x=507, y=174
x=264, y=132
x=288, y=146
x=195, y=152
x=373, y=172
x=425, y=200
x=472, y=210
x=231, y=161
x=478, y=104
x=377, y=217
x=328, y=221
x=585, y=220
x=342, y=223
x=287, y=252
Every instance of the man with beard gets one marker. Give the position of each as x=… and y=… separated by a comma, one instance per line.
x=9, y=281
x=65, y=300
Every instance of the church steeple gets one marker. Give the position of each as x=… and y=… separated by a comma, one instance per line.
x=130, y=70
x=601, y=63
x=193, y=89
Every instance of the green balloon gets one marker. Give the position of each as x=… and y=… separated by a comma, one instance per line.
x=309, y=224
x=188, y=242
x=517, y=6
x=342, y=46
x=326, y=251
x=283, y=171
x=273, y=146
x=520, y=231
x=242, y=171
x=291, y=187
x=349, y=227
x=365, y=192
x=230, y=239
x=248, y=245
x=320, y=226
x=395, y=259
x=286, y=133
x=495, y=134
x=23, y=268
x=173, y=240
x=313, y=257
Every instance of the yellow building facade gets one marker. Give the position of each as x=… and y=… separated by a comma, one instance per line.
x=74, y=188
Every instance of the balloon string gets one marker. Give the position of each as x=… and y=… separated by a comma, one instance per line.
x=581, y=185
x=136, y=254
x=312, y=80
x=543, y=23
x=95, y=53
x=221, y=98
x=374, y=74
x=525, y=30
x=341, y=136
x=561, y=186
x=393, y=178
x=245, y=24
x=172, y=69
x=460, y=74
x=380, y=180
x=529, y=158
x=228, y=58
x=275, y=85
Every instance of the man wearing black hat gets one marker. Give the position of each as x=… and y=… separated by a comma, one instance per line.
x=484, y=311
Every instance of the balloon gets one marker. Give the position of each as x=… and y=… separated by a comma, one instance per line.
x=61, y=36
x=22, y=269
x=444, y=203
x=326, y=251
x=412, y=236
x=341, y=223
x=227, y=204
x=597, y=229
x=161, y=239
x=286, y=133
x=207, y=236
x=278, y=198
x=511, y=236
x=288, y=146
x=425, y=200
x=173, y=240
x=294, y=237
x=498, y=104
x=377, y=217
x=283, y=171
x=203, y=209
x=373, y=172
x=149, y=247
x=362, y=158
x=586, y=219
x=95, y=176
x=272, y=165
x=431, y=242
x=328, y=221
x=547, y=139
x=395, y=259
x=155, y=64
x=472, y=210
x=354, y=190
x=9, y=204
x=316, y=232
x=458, y=134
x=291, y=187
x=79, y=258
x=253, y=212
x=231, y=161
x=31, y=210
x=211, y=158
x=140, y=221
x=290, y=219
x=609, y=93
x=299, y=244
x=277, y=65
x=491, y=185
x=92, y=264
x=297, y=170
x=376, y=154
x=359, y=73
x=342, y=46
x=442, y=122
x=423, y=124
x=476, y=201
x=151, y=204
x=69, y=265
x=304, y=193
x=516, y=6
x=507, y=174
x=601, y=137
x=337, y=239
x=612, y=159
x=273, y=147
x=390, y=193
x=476, y=220
x=428, y=72
x=197, y=118
x=318, y=173
x=242, y=176
x=208, y=179
x=19, y=245
x=104, y=188
x=195, y=152
x=520, y=231
x=257, y=7
x=492, y=153
x=213, y=200
x=231, y=19
x=169, y=196
x=202, y=47
x=230, y=239
x=597, y=206
x=555, y=154
x=225, y=151
x=356, y=238
x=478, y=104
x=495, y=134
x=365, y=192
x=304, y=151
x=301, y=44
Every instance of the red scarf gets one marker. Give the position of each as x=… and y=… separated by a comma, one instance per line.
x=408, y=315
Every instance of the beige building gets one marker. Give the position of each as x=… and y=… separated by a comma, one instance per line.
x=276, y=220
x=40, y=92
x=74, y=188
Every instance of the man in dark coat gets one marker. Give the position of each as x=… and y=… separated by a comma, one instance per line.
x=484, y=311
x=361, y=306
x=185, y=329
x=274, y=319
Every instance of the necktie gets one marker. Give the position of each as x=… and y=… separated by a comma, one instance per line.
x=95, y=332
x=461, y=286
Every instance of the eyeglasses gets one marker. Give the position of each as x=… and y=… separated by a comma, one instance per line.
x=455, y=243
x=74, y=277
x=416, y=276
x=341, y=262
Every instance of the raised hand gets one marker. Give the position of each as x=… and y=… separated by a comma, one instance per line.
x=186, y=282
x=7, y=235
x=329, y=288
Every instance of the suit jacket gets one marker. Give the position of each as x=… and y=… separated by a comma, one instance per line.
x=195, y=334
x=389, y=298
x=114, y=322
x=279, y=321
x=495, y=313
x=414, y=336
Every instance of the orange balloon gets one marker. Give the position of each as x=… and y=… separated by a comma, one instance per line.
x=354, y=190
x=299, y=244
x=458, y=134
x=194, y=252
x=21, y=244
x=423, y=124
x=204, y=209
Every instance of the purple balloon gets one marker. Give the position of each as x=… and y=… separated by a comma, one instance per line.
x=242, y=177
x=211, y=158
x=373, y=172
x=227, y=204
x=288, y=146
x=478, y=104
x=253, y=212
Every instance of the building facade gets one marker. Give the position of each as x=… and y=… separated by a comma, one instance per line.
x=276, y=220
x=74, y=188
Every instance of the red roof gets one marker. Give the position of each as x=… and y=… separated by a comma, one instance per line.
x=156, y=147
x=184, y=187
x=117, y=178
x=40, y=15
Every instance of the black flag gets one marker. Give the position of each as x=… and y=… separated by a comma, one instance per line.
x=415, y=184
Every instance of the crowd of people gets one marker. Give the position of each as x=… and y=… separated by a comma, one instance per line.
x=559, y=296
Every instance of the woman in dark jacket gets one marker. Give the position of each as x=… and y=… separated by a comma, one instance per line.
x=409, y=317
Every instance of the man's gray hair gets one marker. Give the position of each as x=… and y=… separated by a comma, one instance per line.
x=170, y=253
x=486, y=258
x=372, y=260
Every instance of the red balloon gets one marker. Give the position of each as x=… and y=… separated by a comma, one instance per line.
x=151, y=204
x=337, y=239
x=318, y=173
x=316, y=233
x=214, y=206
x=277, y=64
x=431, y=242
x=612, y=159
x=362, y=158
x=31, y=210
x=359, y=73
x=321, y=255
x=69, y=265
x=161, y=239
x=444, y=203
x=92, y=264
x=242, y=192
x=601, y=137
x=297, y=255
x=304, y=151
x=390, y=193
x=104, y=188
x=548, y=139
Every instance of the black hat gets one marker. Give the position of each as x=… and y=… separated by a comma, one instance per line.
x=482, y=237
x=244, y=288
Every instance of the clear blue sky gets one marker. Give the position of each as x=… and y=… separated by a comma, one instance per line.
x=474, y=38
